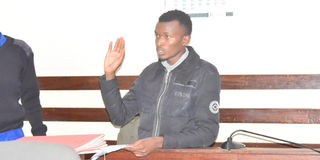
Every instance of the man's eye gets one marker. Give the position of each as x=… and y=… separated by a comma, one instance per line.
x=168, y=37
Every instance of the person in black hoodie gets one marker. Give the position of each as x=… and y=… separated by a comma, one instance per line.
x=19, y=90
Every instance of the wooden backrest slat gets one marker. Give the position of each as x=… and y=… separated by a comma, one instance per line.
x=75, y=114
x=227, y=115
x=270, y=115
x=80, y=82
x=69, y=83
x=293, y=81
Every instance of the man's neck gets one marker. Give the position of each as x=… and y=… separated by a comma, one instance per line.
x=181, y=59
x=2, y=39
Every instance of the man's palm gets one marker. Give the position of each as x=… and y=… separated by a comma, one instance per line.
x=114, y=57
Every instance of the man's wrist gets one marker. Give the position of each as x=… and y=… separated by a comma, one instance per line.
x=159, y=142
x=110, y=76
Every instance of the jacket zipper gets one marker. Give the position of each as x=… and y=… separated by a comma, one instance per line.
x=156, y=132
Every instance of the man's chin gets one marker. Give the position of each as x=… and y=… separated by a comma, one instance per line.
x=162, y=59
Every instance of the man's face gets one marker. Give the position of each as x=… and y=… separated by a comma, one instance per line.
x=170, y=41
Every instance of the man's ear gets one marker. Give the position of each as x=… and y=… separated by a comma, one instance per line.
x=186, y=40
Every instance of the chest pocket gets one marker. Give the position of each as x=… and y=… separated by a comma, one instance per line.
x=179, y=98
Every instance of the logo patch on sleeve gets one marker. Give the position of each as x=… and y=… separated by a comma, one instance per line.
x=214, y=107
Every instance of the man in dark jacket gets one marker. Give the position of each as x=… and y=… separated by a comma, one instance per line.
x=177, y=97
x=19, y=91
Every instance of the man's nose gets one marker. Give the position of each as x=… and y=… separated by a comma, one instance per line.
x=159, y=41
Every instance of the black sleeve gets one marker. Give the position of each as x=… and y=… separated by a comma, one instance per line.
x=120, y=110
x=30, y=97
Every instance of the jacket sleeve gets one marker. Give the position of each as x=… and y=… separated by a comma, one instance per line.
x=202, y=129
x=120, y=110
x=30, y=98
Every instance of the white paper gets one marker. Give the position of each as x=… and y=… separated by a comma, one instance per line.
x=106, y=150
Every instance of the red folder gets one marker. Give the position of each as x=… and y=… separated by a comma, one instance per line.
x=88, y=143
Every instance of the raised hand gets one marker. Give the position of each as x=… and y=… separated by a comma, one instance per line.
x=114, y=58
x=145, y=146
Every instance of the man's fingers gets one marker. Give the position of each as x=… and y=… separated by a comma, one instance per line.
x=123, y=42
x=122, y=46
x=110, y=47
x=140, y=154
x=117, y=45
x=130, y=147
x=135, y=147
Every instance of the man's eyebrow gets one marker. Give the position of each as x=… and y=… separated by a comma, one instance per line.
x=163, y=32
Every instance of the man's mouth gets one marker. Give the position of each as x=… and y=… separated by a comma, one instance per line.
x=160, y=51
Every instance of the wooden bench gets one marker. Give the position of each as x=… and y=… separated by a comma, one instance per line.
x=227, y=115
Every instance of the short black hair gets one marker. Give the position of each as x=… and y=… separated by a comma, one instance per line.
x=183, y=18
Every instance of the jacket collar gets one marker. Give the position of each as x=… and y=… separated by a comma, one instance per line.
x=187, y=67
x=190, y=62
